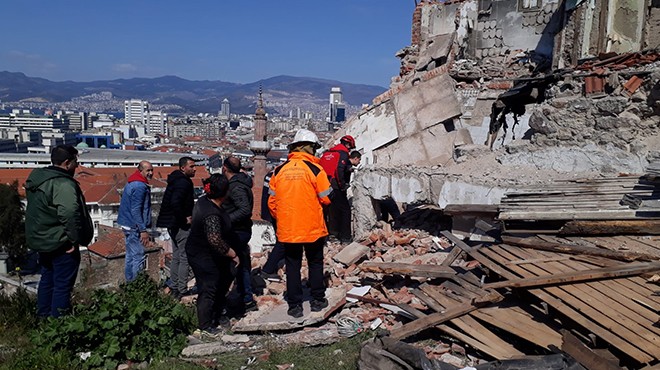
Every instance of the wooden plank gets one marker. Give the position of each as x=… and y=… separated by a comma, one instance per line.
x=535, y=243
x=434, y=319
x=471, y=251
x=409, y=269
x=536, y=260
x=470, y=325
x=583, y=354
x=570, y=312
x=630, y=269
x=452, y=256
x=610, y=302
x=599, y=311
x=507, y=319
x=609, y=227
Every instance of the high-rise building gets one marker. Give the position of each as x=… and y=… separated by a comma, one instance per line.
x=136, y=112
x=157, y=123
x=337, y=107
x=225, y=109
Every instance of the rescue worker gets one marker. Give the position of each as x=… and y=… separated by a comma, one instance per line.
x=298, y=191
x=337, y=164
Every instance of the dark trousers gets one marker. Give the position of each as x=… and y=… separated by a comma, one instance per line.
x=274, y=258
x=179, y=268
x=243, y=276
x=388, y=207
x=213, y=277
x=340, y=216
x=293, y=259
x=58, y=275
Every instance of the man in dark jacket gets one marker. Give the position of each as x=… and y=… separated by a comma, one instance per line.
x=337, y=164
x=276, y=255
x=135, y=218
x=57, y=223
x=176, y=215
x=238, y=205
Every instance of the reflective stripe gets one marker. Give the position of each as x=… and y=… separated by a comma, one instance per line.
x=325, y=193
x=271, y=192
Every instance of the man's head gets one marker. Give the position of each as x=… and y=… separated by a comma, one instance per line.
x=355, y=158
x=65, y=157
x=231, y=165
x=146, y=169
x=348, y=141
x=187, y=166
x=304, y=141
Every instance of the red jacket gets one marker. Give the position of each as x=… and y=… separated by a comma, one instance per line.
x=298, y=190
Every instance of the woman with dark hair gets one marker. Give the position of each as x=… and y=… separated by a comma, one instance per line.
x=209, y=253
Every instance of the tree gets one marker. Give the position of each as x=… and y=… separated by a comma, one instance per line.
x=12, y=222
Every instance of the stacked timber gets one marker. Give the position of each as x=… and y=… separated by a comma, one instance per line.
x=578, y=206
x=647, y=203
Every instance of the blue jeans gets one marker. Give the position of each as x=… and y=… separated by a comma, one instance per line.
x=58, y=275
x=134, y=254
x=243, y=276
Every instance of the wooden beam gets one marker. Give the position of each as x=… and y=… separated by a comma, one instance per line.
x=630, y=269
x=583, y=354
x=535, y=243
x=452, y=256
x=434, y=319
x=408, y=269
x=610, y=227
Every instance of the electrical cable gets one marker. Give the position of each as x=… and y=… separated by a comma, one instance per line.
x=348, y=326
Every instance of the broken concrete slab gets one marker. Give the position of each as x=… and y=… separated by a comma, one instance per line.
x=207, y=349
x=351, y=253
x=277, y=318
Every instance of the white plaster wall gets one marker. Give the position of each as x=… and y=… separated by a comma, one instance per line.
x=378, y=186
x=426, y=104
x=409, y=189
x=374, y=129
x=459, y=192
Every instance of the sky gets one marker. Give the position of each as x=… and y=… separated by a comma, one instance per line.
x=237, y=41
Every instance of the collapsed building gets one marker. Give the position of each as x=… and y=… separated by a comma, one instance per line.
x=531, y=130
x=522, y=140
x=581, y=79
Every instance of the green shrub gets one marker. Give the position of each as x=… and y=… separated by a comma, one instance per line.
x=18, y=311
x=137, y=323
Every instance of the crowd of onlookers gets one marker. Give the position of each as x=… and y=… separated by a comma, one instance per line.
x=304, y=198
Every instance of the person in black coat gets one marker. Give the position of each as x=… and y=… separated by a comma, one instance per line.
x=210, y=253
x=176, y=215
x=238, y=205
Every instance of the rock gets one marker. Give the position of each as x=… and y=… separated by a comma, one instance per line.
x=453, y=360
x=612, y=104
x=541, y=124
x=237, y=338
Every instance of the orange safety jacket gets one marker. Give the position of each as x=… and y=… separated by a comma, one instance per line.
x=298, y=190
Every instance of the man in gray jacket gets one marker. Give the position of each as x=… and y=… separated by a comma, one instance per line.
x=57, y=223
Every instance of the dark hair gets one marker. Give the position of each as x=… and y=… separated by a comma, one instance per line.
x=355, y=154
x=183, y=161
x=233, y=164
x=216, y=186
x=62, y=153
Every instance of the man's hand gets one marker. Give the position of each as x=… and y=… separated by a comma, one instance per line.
x=189, y=220
x=144, y=238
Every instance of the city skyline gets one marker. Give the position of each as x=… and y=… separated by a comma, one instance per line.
x=348, y=41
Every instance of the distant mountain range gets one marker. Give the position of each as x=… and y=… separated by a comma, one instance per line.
x=177, y=95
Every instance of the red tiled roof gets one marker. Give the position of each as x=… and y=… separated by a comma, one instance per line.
x=110, y=243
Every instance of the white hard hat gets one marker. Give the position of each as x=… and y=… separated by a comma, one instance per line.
x=306, y=136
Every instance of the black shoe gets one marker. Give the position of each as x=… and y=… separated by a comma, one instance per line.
x=270, y=277
x=295, y=311
x=318, y=304
x=251, y=306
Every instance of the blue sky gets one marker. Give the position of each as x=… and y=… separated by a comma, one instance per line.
x=229, y=40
